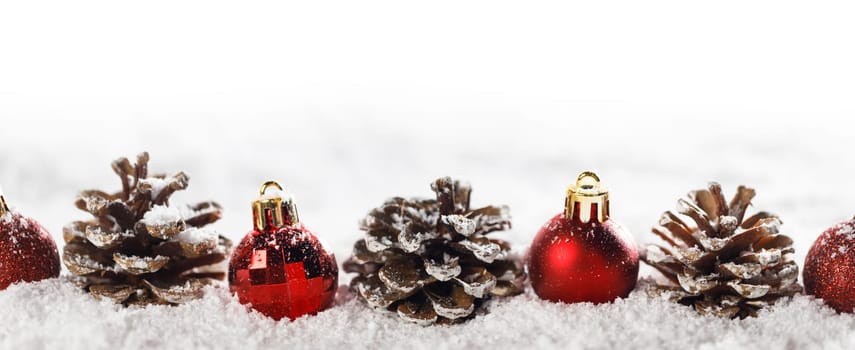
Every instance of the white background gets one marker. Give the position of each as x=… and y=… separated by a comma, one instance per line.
x=350, y=102
x=238, y=59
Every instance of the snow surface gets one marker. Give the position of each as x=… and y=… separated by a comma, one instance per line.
x=54, y=314
x=157, y=185
x=194, y=235
x=160, y=215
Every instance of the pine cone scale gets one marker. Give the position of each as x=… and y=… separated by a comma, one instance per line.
x=417, y=312
x=116, y=293
x=740, y=202
x=675, y=231
x=450, y=300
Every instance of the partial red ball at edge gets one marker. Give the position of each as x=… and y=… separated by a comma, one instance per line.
x=27, y=251
x=571, y=262
x=829, y=270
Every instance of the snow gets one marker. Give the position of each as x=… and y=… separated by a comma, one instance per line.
x=195, y=235
x=271, y=192
x=138, y=262
x=342, y=168
x=187, y=211
x=847, y=229
x=161, y=215
x=17, y=224
x=157, y=185
x=85, y=261
x=462, y=225
x=70, y=319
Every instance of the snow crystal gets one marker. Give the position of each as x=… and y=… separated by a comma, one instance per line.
x=727, y=221
x=189, y=212
x=195, y=235
x=377, y=244
x=768, y=257
x=486, y=251
x=477, y=289
x=273, y=193
x=17, y=225
x=847, y=229
x=72, y=229
x=156, y=184
x=138, y=262
x=83, y=261
x=299, y=236
x=749, y=291
x=160, y=215
x=443, y=270
x=411, y=242
x=461, y=224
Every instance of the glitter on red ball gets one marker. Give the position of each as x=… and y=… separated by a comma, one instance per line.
x=582, y=255
x=829, y=271
x=27, y=251
x=283, y=274
x=582, y=262
x=280, y=268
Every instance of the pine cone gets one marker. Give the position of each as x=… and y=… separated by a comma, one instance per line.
x=140, y=250
x=429, y=260
x=726, y=266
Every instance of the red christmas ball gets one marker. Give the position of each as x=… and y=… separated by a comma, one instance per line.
x=27, y=251
x=829, y=271
x=582, y=255
x=582, y=262
x=280, y=268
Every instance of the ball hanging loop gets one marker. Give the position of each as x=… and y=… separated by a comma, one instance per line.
x=267, y=185
x=588, y=180
x=587, y=199
x=271, y=211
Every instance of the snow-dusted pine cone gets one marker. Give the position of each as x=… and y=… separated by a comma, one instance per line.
x=430, y=260
x=140, y=250
x=726, y=266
